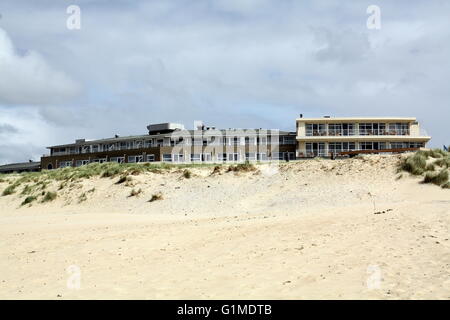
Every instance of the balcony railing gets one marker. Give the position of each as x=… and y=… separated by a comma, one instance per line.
x=357, y=132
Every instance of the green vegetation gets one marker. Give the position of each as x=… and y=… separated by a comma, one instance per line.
x=9, y=190
x=123, y=179
x=156, y=197
x=242, y=167
x=135, y=193
x=28, y=200
x=49, y=196
x=438, y=178
x=414, y=164
x=187, y=174
x=433, y=164
x=82, y=197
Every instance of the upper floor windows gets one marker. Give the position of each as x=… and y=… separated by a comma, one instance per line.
x=363, y=129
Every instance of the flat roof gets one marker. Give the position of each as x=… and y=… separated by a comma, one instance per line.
x=176, y=133
x=403, y=119
x=20, y=166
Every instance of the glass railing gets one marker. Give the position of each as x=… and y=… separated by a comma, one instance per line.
x=355, y=132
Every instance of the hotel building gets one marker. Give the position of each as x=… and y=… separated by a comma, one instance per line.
x=329, y=136
x=170, y=142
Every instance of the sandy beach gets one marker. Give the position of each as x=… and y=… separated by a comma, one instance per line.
x=314, y=229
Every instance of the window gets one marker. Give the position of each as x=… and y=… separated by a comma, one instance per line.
x=366, y=145
x=64, y=164
x=117, y=159
x=261, y=140
x=134, y=159
x=315, y=149
x=167, y=157
x=315, y=129
x=261, y=156
x=206, y=157
x=221, y=157
x=233, y=157
x=150, y=158
x=195, y=157
x=80, y=163
x=399, y=129
x=178, y=157
x=335, y=129
x=251, y=156
x=335, y=147
x=288, y=140
x=101, y=160
x=277, y=155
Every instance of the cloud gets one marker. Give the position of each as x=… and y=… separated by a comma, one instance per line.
x=28, y=79
x=230, y=63
x=7, y=129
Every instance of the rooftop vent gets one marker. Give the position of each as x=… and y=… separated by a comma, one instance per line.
x=80, y=140
x=164, y=127
x=326, y=116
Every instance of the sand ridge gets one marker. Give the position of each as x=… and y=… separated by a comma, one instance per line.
x=307, y=229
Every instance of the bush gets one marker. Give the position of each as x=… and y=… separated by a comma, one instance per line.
x=122, y=179
x=27, y=200
x=82, y=197
x=242, y=167
x=430, y=167
x=135, y=193
x=446, y=185
x=156, y=197
x=187, y=174
x=443, y=162
x=436, y=178
x=414, y=164
x=9, y=190
x=49, y=196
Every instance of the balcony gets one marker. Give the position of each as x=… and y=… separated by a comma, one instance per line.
x=357, y=132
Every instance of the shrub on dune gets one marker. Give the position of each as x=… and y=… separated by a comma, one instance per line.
x=438, y=178
x=49, y=196
x=28, y=200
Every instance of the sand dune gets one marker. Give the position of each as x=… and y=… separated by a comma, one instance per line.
x=312, y=229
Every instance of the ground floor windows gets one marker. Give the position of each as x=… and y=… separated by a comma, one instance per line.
x=195, y=157
x=315, y=149
x=135, y=159
x=251, y=156
x=150, y=157
x=167, y=157
x=178, y=157
x=261, y=156
x=233, y=157
x=117, y=159
x=65, y=164
x=102, y=160
x=80, y=163
x=221, y=157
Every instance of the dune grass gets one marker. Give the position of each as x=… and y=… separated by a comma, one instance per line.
x=433, y=165
x=156, y=197
x=49, y=196
x=437, y=178
x=28, y=200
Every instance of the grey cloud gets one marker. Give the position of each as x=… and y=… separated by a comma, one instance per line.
x=7, y=129
x=232, y=63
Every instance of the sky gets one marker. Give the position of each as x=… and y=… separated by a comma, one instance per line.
x=230, y=63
